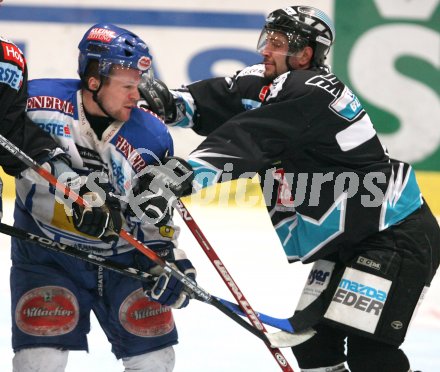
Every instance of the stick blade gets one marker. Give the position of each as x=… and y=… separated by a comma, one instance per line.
x=286, y=339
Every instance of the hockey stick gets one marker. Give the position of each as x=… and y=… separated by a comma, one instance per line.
x=280, y=323
x=75, y=252
x=125, y=270
x=279, y=339
x=230, y=283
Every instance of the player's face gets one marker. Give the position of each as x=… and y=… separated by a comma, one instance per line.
x=274, y=52
x=120, y=94
x=278, y=59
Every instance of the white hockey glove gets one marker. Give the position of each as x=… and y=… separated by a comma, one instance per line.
x=167, y=290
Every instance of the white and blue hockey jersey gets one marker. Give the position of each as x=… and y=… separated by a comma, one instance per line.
x=124, y=149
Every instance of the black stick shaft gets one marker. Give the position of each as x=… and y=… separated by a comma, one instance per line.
x=117, y=267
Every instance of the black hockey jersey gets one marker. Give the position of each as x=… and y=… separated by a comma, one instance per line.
x=14, y=124
x=326, y=178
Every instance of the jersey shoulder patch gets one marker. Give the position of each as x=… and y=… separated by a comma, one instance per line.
x=12, y=64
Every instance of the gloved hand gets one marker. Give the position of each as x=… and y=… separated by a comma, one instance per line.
x=58, y=164
x=174, y=177
x=160, y=100
x=158, y=97
x=151, y=207
x=159, y=187
x=167, y=290
x=101, y=217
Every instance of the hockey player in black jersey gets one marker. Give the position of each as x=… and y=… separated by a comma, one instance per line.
x=14, y=124
x=334, y=195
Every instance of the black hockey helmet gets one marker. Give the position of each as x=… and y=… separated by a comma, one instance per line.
x=303, y=26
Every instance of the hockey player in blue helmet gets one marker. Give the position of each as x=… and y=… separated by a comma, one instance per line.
x=294, y=123
x=106, y=47
x=110, y=140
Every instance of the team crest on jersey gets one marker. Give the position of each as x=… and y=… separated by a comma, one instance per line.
x=144, y=318
x=47, y=311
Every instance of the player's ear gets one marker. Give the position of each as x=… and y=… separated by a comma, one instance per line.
x=307, y=55
x=93, y=83
x=302, y=59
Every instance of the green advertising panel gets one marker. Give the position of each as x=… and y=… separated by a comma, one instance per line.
x=388, y=52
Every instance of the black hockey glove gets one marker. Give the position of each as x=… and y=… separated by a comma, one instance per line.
x=166, y=289
x=101, y=218
x=158, y=97
x=159, y=187
x=151, y=207
x=174, y=175
x=161, y=101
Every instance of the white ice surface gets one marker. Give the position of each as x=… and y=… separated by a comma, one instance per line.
x=209, y=341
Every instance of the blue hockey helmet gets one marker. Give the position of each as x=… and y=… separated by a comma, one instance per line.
x=112, y=45
x=303, y=25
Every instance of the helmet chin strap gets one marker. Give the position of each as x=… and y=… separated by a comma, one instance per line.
x=98, y=101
